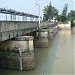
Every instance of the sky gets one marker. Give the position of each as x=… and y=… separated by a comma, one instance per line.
x=29, y=6
x=74, y=4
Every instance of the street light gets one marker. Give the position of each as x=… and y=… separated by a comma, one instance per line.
x=38, y=12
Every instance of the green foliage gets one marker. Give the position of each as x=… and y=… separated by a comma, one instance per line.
x=59, y=18
x=63, y=16
x=72, y=23
x=71, y=15
x=49, y=12
x=64, y=13
x=45, y=13
x=63, y=19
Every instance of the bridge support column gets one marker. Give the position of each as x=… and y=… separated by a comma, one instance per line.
x=55, y=29
x=41, y=39
x=17, y=54
x=52, y=32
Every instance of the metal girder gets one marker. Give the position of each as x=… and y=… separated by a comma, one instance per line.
x=13, y=12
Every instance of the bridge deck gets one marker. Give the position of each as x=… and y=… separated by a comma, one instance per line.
x=10, y=29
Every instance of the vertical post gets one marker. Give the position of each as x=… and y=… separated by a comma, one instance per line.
x=6, y=17
x=20, y=53
x=38, y=18
x=14, y=17
x=30, y=18
x=38, y=13
x=18, y=18
x=23, y=18
x=11, y=17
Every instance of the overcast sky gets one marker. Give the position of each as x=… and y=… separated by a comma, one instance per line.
x=29, y=6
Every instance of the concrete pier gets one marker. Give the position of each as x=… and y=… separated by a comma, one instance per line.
x=55, y=29
x=18, y=53
x=41, y=39
x=52, y=32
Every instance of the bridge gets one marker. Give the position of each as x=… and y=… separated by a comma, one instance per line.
x=10, y=29
x=18, y=39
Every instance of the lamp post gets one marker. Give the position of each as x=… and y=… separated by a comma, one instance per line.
x=38, y=12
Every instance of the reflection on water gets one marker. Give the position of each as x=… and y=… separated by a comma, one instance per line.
x=56, y=60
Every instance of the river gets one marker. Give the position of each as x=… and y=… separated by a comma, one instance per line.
x=58, y=59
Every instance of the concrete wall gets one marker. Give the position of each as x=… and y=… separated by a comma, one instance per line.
x=10, y=29
x=16, y=25
x=65, y=26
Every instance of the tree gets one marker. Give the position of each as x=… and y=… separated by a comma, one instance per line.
x=49, y=12
x=71, y=15
x=59, y=18
x=45, y=13
x=64, y=13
